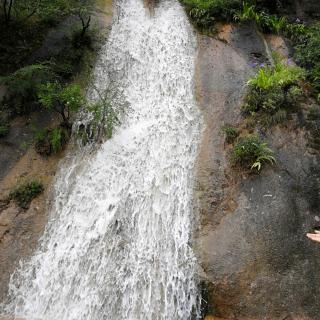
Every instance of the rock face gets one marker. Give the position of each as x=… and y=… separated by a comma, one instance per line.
x=257, y=262
x=309, y=7
x=20, y=229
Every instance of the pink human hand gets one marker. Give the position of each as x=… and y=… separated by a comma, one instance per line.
x=314, y=236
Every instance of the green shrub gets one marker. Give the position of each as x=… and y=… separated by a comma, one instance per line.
x=313, y=124
x=62, y=100
x=204, y=13
x=4, y=129
x=314, y=113
x=26, y=192
x=267, y=22
x=279, y=75
x=296, y=32
x=105, y=113
x=4, y=124
x=308, y=55
x=21, y=96
x=273, y=93
x=251, y=152
x=202, y=20
x=230, y=132
x=51, y=141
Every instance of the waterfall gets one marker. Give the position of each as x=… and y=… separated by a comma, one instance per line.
x=118, y=241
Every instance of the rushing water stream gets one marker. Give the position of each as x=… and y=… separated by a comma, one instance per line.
x=117, y=244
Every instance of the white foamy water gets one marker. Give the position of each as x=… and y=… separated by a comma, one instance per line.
x=118, y=242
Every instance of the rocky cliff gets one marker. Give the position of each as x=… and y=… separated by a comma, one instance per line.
x=257, y=262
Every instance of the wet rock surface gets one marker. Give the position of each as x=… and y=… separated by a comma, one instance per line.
x=21, y=135
x=20, y=229
x=257, y=261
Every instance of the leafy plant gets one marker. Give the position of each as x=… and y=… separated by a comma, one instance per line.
x=63, y=100
x=267, y=22
x=313, y=124
x=281, y=74
x=202, y=19
x=295, y=31
x=247, y=13
x=274, y=92
x=251, y=152
x=56, y=140
x=308, y=55
x=105, y=114
x=4, y=125
x=51, y=141
x=314, y=113
x=4, y=130
x=230, y=132
x=26, y=192
x=22, y=85
x=205, y=12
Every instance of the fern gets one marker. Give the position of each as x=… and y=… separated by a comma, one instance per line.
x=251, y=152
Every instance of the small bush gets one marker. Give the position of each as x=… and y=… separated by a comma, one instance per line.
x=314, y=113
x=4, y=130
x=204, y=14
x=26, y=192
x=230, y=132
x=250, y=152
x=308, y=55
x=273, y=93
x=267, y=22
x=296, y=32
x=280, y=75
x=63, y=100
x=104, y=114
x=21, y=96
x=4, y=124
x=51, y=141
x=313, y=124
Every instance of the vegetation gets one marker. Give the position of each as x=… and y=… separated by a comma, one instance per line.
x=267, y=22
x=4, y=125
x=265, y=14
x=313, y=123
x=62, y=100
x=21, y=95
x=205, y=13
x=230, y=132
x=308, y=55
x=4, y=129
x=24, y=25
x=40, y=10
x=274, y=92
x=105, y=114
x=51, y=141
x=26, y=192
x=252, y=153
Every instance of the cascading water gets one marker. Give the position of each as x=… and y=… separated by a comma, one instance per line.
x=117, y=245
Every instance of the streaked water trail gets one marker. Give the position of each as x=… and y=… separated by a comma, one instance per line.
x=117, y=245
